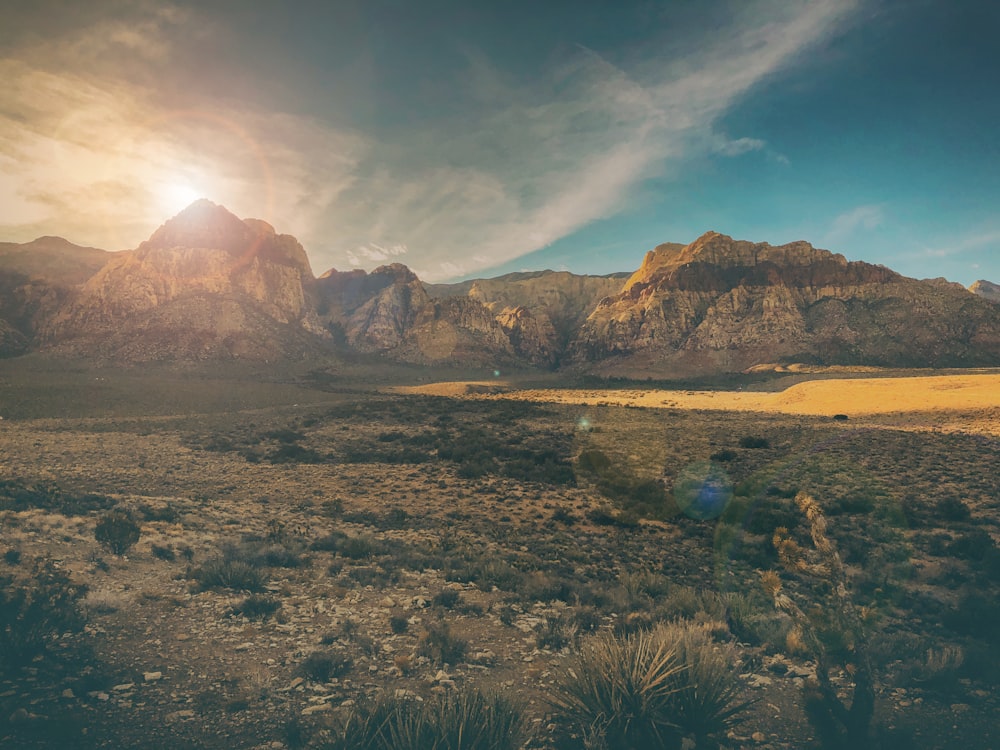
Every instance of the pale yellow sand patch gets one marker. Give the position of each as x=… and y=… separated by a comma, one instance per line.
x=968, y=402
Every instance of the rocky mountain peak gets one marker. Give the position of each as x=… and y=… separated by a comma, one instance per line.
x=203, y=224
x=725, y=252
x=986, y=289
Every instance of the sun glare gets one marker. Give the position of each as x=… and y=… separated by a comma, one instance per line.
x=178, y=195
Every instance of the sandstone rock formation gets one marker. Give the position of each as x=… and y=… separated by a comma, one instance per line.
x=252, y=290
x=986, y=289
x=210, y=285
x=721, y=304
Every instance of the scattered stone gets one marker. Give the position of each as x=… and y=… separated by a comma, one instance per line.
x=68, y=693
x=758, y=737
x=152, y=676
x=315, y=709
x=123, y=687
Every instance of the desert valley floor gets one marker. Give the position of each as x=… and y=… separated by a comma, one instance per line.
x=312, y=539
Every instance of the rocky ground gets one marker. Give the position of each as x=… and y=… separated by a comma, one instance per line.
x=423, y=577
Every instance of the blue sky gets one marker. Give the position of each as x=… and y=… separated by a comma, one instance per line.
x=474, y=138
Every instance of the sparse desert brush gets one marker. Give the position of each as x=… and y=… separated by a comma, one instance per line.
x=323, y=666
x=440, y=645
x=556, y=632
x=255, y=607
x=465, y=720
x=650, y=688
x=117, y=531
x=34, y=609
x=226, y=573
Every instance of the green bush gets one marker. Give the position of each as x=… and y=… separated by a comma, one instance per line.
x=117, y=531
x=34, y=610
x=468, y=720
x=648, y=689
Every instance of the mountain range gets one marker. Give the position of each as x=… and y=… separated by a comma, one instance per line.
x=208, y=285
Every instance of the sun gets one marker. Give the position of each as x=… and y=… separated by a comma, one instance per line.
x=176, y=196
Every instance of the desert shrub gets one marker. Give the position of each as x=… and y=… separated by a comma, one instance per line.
x=34, y=610
x=467, y=720
x=973, y=545
x=724, y=455
x=399, y=624
x=952, y=509
x=593, y=462
x=358, y=547
x=228, y=573
x=439, y=645
x=555, y=632
x=545, y=587
x=256, y=607
x=587, y=620
x=12, y=556
x=329, y=543
x=649, y=688
x=446, y=598
x=754, y=441
x=165, y=512
x=294, y=453
x=323, y=666
x=563, y=516
x=17, y=495
x=162, y=552
x=485, y=572
x=117, y=531
x=840, y=417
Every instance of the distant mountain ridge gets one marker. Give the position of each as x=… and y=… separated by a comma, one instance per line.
x=208, y=285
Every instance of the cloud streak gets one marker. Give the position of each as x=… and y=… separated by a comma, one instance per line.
x=93, y=151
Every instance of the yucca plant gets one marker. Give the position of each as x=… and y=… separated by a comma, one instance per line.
x=707, y=698
x=468, y=720
x=651, y=688
x=621, y=687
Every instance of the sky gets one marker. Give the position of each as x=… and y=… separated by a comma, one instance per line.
x=471, y=138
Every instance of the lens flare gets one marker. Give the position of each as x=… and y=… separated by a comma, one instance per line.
x=703, y=491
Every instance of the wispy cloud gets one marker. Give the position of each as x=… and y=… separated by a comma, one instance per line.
x=974, y=242
x=91, y=151
x=845, y=225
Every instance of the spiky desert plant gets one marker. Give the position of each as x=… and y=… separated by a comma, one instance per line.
x=467, y=720
x=707, y=700
x=650, y=688
x=224, y=573
x=622, y=687
x=832, y=633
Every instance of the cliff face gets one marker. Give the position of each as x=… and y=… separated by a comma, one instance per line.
x=390, y=312
x=218, y=265
x=724, y=304
x=210, y=285
x=542, y=311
